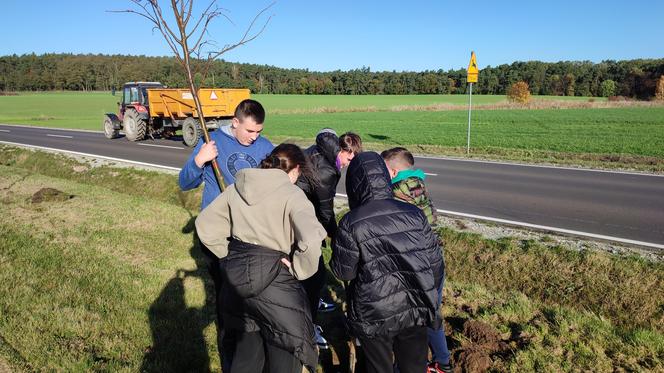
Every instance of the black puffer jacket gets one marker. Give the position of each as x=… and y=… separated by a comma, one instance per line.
x=388, y=252
x=323, y=158
x=260, y=294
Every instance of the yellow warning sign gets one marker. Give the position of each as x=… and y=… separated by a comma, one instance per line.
x=473, y=71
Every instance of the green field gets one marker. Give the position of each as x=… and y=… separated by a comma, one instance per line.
x=626, y=136
x=84, y=110
x=635, y=131
x=108, y=276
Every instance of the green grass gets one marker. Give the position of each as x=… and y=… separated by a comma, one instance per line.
x=84, y=110
x=383, y=102
x=111, y=280
x=80, y=110
x=98, y=281
x=635, y=131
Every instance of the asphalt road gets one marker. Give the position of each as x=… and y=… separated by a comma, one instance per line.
x=609, y=205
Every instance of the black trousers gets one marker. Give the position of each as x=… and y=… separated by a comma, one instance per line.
x=225, y=339
x=409, y=347
x=252, y=355
x=314, y=286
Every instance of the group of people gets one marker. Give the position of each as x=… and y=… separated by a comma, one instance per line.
x=264, y=233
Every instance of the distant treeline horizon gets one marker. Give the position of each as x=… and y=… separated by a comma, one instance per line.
x=97, y=72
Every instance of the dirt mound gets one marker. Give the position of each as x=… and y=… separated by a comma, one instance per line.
x=50, y=195
x=485, y=342
x=480, y=332
x=474, y=360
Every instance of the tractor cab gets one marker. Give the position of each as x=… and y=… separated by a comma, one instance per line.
x=135, y=95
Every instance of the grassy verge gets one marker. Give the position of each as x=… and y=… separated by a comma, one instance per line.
x=108, y=277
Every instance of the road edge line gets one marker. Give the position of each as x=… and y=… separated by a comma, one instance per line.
x=545, y=228
x=145, y=164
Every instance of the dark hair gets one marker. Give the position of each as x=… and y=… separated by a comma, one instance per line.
x=288, y=156
x=250, y=108
x=399, y=155
x=350, y=142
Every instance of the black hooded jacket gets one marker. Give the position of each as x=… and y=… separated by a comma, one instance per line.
x=259, y=294
x=389, y=253
x=323, y=158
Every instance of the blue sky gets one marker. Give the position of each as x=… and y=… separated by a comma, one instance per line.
x=383, y=35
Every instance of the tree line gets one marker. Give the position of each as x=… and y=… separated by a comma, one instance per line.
x=88, y=72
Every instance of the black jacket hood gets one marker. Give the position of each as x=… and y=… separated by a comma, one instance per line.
x=367, y=179
x=328, y=146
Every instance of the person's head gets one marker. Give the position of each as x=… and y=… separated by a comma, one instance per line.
x=247, y=124
x=290, y=159
x=367, y=179
x=350, y=145
x=397, y=159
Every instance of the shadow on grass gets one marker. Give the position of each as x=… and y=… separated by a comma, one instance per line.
x=379, y=137
x=178, y=342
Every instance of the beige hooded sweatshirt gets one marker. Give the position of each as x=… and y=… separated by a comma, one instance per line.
x=264, y=208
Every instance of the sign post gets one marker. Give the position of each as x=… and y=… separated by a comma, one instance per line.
x=473, y=73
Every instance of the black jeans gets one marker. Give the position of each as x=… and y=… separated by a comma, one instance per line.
x=252, y=354
x=409, y=348
x=314, y=286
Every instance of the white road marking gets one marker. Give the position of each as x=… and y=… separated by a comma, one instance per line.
x=63, y=136
x=51, y=128
x=537, y=165
x=553, y=229
x=161, y=146
x=92, y=155
x=430, y=174
x=545, y=228
x=4, y=131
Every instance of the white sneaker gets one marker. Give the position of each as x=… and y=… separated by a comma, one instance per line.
x=321, y=342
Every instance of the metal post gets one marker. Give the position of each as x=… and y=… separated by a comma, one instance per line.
x=470, y=106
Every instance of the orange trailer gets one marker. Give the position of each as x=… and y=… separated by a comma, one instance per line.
x=149, y=108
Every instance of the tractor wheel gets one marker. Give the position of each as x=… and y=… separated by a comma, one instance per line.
x=134, y=126
x=191, y=132
x=109, y=129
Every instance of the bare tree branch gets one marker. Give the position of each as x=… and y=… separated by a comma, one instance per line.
x=187, y=43
x=245, y=38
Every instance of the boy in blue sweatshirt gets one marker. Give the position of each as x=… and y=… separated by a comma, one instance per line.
x=235, y=146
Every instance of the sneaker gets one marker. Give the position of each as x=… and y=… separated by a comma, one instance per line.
x=325, y=307
x=321, y=342
x=439, y=368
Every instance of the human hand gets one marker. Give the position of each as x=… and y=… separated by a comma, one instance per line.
x=207, y=153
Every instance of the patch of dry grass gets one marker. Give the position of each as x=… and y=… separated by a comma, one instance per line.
x=629, y=291
x=536, y=104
